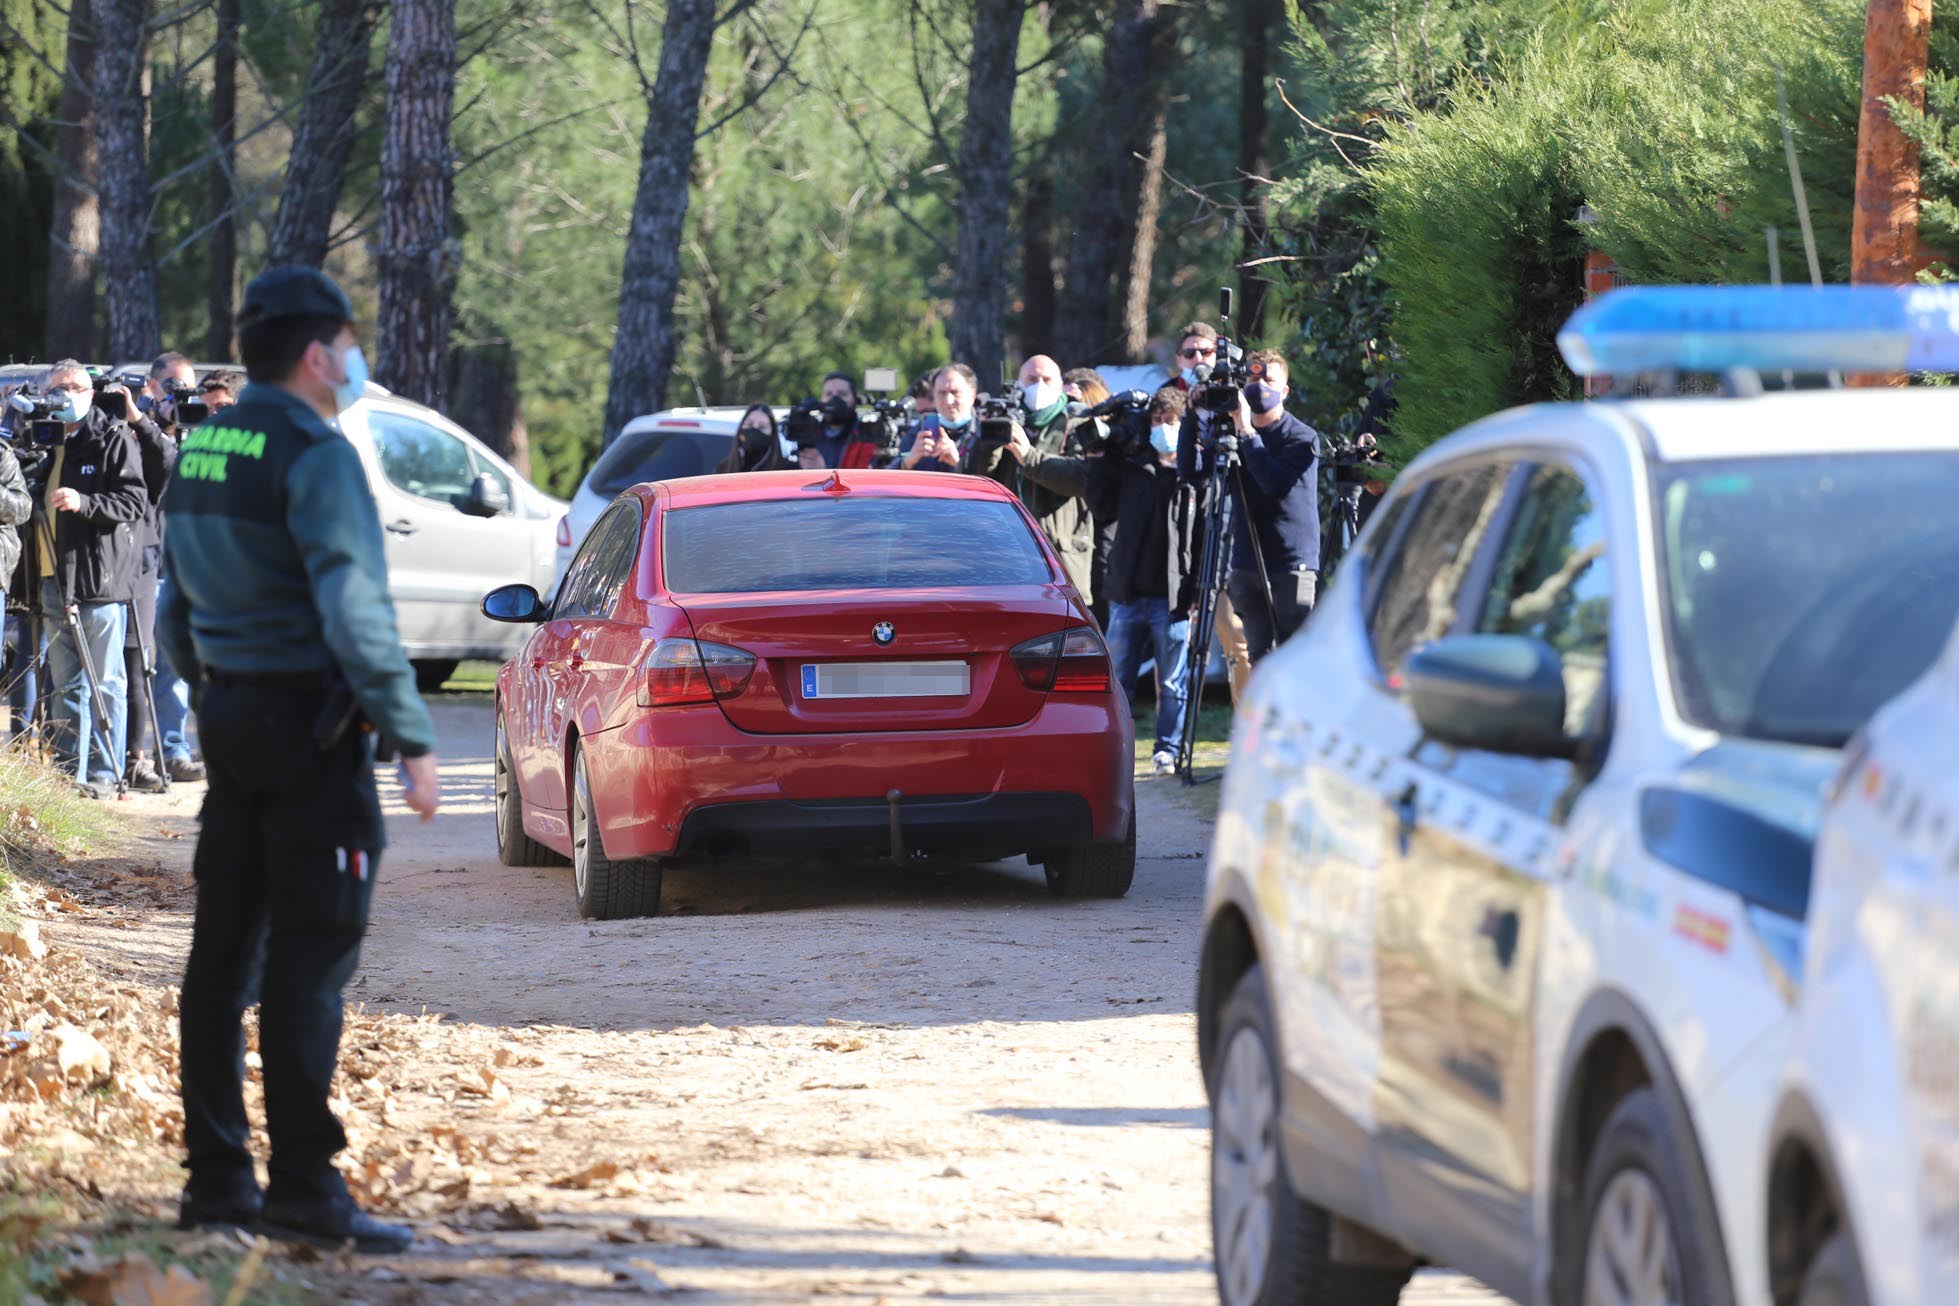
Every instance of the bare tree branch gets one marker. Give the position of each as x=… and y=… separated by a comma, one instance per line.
x=782, y=67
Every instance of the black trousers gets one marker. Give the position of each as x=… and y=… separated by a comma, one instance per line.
x=285, y=867
x=1292, y=603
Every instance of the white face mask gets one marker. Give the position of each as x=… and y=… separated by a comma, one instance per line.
x=1040, y=396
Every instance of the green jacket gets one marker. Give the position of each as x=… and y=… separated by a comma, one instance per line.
x=273, y=560
x=1065, y=519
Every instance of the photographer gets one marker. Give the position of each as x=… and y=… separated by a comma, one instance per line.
x=16, y=506
x=757, y=446
x=945, y=435
x=1046, y=429
x=90, y=552
x=1276, y=451
x=1197, y=347
x=1153, y=562
x=841, y=443
x=1085, y=387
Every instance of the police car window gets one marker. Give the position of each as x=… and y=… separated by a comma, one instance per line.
x=585, y=578
x=1802, y=592
x=422, y=460
x=1416, y=595
x=1550, y=583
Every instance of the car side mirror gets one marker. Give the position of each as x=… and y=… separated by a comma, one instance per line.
x=517, y=603
x=1497, y=693
x=486, y=497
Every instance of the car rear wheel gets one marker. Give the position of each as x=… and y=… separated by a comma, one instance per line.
x=1835, y=1278
x=607, y=890
x=514, y=847
x=1271, y=1247
x=432, y=674
x=1645, y=1240
x=1096, y=870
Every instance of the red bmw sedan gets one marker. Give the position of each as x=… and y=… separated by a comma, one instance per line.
x=810, y=663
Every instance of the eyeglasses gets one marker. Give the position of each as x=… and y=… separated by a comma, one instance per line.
x=1201, y=351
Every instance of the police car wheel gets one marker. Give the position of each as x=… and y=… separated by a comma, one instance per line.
x=514, y=847
x=1097, y=870
x=1644, y=1238
x=1271, y=1247
x=607, y=890
x=1834, y=1277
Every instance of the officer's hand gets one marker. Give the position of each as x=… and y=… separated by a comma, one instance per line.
x=66, y=500
x=423, y=785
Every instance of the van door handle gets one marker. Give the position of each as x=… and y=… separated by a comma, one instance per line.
x=402, y=526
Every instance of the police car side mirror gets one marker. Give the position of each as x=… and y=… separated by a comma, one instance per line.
x=486, y=498
x=517, y=603
x=1496, y=693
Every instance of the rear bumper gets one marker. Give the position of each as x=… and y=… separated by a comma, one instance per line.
x=982, y=826
x=678, y=780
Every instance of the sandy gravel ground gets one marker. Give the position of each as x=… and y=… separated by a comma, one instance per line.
x=798, y=1084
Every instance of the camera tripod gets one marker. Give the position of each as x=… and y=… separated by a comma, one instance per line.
x=1224, y=493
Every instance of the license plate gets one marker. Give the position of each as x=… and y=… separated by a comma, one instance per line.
x=886, y=679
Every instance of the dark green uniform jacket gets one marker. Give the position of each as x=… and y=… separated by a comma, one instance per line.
x=273, y=560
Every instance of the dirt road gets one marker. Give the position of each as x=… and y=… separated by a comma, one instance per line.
x=795, y=1084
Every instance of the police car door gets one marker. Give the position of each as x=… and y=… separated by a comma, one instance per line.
x=1463, y=902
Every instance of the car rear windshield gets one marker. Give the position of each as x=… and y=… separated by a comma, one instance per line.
x=1803, y=592
x=656, y=456
x=849, y=544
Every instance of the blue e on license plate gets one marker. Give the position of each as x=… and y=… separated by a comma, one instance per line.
x=886, y=680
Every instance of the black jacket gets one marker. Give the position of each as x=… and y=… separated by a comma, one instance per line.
x=1157, y=527
x=98, y=547
x=157, y=453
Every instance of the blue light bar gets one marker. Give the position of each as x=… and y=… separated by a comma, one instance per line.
x=1769, y=328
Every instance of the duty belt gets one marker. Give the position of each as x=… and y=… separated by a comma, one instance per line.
x=292, y=682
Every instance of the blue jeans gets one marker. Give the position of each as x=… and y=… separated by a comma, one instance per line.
x=71, y=709
x=24, y=673
x=1140, y=629
x=172, y=711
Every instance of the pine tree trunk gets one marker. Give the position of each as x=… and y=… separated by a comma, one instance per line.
x=76, y=234
x=224, y=232
x=1131, y=73
x=1037, y=289
x=645, y=345
x=1142, y=244
x=1258, y=19
x=123, y=179
x=325, y=134
x=417, y=263
x=979, y=296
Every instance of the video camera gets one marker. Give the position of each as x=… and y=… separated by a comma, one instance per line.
x=188, y=405
x=35, y=428
x=884, y=421
x=1118, y=426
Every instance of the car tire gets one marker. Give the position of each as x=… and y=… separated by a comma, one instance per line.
x=607, y=890
x=514, y=847
x=1270, y=1246
x=431, y=674
x=1096, y=870
x=1835, y=1278
x=1646, y=1235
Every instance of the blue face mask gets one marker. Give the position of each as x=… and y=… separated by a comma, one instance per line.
x=347, y=392
x=76, y=405
x=1189, y=374
x=959, y=425
x=1163, y=439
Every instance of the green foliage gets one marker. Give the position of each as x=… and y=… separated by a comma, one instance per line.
x=1658, y=115
x=30, y=94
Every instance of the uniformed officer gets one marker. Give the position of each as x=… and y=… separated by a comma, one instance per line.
x=276, y=589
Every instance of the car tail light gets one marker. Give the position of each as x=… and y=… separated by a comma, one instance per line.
x=1073, y=661
x=564, y=532
x=684, y=670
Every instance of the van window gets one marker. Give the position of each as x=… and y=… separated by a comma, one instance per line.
x=656, y=456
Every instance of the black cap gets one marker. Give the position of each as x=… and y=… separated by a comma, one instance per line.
x=293, y=292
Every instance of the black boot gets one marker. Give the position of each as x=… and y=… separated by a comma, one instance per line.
x=332, y=1226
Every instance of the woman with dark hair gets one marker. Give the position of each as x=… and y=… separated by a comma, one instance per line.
x=758, y=448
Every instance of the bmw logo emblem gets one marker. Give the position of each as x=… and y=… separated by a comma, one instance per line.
x=884, y=632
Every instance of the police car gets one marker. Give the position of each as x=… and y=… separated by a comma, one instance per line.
x=1863, y=1173
x=1504, y=914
